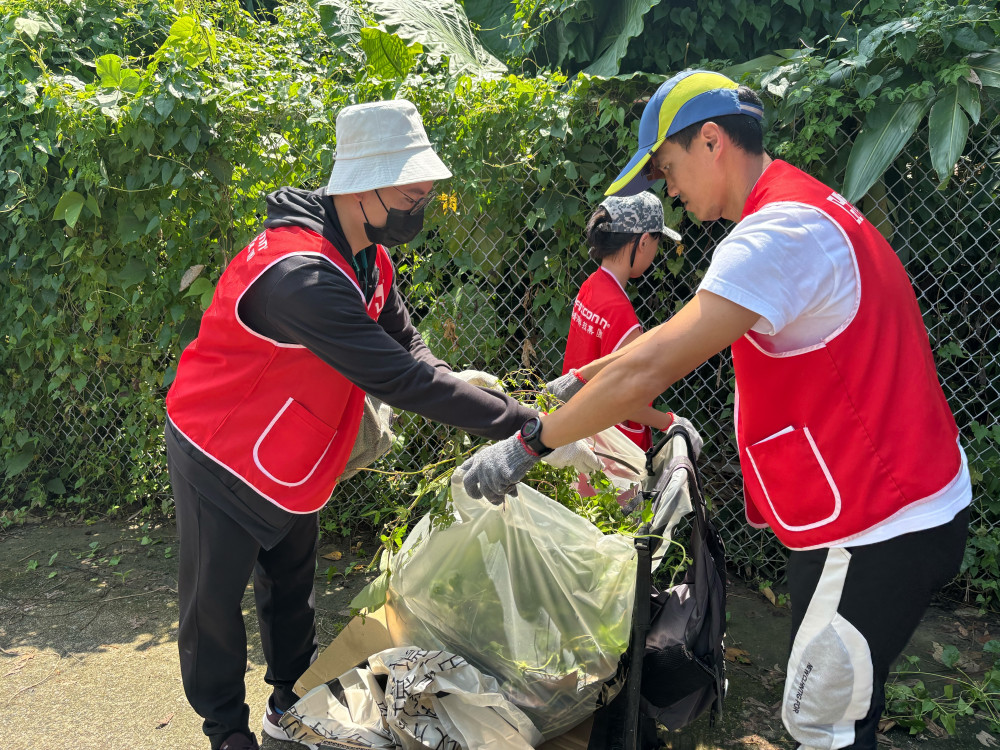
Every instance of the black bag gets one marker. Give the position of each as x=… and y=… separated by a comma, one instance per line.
x=680, y=673
x=684, y=665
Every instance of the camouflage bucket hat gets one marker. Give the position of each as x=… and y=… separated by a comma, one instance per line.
x=635, y=214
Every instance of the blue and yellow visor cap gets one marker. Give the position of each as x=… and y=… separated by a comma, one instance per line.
x=687, y=98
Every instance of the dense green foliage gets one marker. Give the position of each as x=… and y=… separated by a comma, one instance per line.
x=137, y=141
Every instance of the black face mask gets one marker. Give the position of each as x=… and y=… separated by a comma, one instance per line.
x=400, y=226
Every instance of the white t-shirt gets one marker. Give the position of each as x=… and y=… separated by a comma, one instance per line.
x=793, y=266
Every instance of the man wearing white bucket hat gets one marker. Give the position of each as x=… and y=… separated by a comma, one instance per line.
x=266, y=404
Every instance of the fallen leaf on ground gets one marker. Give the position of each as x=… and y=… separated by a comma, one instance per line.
x=884, y=725
x=987, y=739
x=736, y=654
x=936, y=730
x=756, y=742
x=20, y=665
x=966, y=612
x=335, y=555
x=162, y=723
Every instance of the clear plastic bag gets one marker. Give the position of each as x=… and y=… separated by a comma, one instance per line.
x=622, y=461
x=529, y=592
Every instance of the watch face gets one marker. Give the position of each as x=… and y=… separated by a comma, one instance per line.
x=530, y=428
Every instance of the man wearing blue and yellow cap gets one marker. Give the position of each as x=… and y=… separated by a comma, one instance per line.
x=849, y=450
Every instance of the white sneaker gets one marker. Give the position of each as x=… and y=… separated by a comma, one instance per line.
x=272, y=726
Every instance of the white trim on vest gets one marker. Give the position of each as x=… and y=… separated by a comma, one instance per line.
x=236, y=474
x=269, y=475
x=857, y=293
x=262, y=337
x=822, y=465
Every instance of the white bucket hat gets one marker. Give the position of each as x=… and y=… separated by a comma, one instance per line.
x=381, y=144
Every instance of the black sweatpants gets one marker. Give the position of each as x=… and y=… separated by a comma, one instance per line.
x=853, y=611
x=217, y=558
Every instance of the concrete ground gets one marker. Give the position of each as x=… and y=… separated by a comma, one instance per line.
x=88, y=653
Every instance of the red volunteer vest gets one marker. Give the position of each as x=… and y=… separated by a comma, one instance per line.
x=273, y=414
x=836, y=438
x=602, y=316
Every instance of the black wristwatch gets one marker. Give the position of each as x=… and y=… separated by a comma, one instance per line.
x=531, y=434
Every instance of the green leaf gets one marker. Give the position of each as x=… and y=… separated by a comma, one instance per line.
x=948, y=128
x=758, y=64
x=109, y=70
x=133, y=272
x=888, y=127
x=56, y=487
x=968, y=97
x=129, y=228
x=870, y=86
x=221, y=169
x=442, y=27
x=496, y=25
x=987, y=66
x=966, y=38
x=182, y=28
x=617, y=31
x=200, y=287
x=191, y=139
x=950, y=656
x=20, y=461
x=948, y=722
x=130, y=81
x=387, y=55
x=341, y=21
x=53, y=558
x=164, y=104
x=30, y=27
x=68, y=208
x=372, y=596
x=91, y=203
x=906, y=46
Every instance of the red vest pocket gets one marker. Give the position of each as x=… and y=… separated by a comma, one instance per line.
x=795, y=486
x=293, y=445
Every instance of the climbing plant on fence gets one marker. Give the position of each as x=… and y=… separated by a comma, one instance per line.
x=133, y=165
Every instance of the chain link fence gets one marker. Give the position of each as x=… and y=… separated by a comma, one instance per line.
x=947, y=239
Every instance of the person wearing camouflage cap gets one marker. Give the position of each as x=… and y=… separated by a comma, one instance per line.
x=623, y=235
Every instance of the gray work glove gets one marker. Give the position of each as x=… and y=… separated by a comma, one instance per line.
x=494, y=471
x=480, y=378
x=565, y=386
x=579, y=455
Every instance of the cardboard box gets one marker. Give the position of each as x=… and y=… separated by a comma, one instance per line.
x=362, y=637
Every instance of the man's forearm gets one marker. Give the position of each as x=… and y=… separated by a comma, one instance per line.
x=660, y=420
x=632, y=377
x=590, y=370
